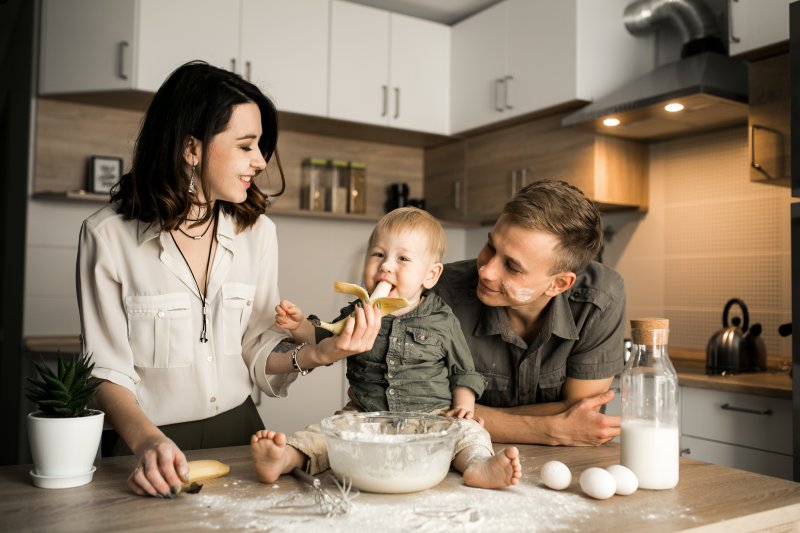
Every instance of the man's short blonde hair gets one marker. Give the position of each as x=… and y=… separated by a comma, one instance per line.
x=410, y=218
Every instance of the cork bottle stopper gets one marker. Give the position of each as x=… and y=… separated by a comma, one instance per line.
x=650, y=330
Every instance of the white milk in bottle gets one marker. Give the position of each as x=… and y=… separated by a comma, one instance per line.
x=650, y=438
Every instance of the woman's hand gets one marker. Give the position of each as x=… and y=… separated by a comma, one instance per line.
x=358, y=335
x=161, y=469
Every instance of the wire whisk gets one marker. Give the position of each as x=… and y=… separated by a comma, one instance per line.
x=330, y=503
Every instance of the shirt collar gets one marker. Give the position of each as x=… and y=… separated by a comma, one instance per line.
x=558, y=321
x=226, y=231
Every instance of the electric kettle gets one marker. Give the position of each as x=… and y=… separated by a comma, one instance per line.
x=734, y=349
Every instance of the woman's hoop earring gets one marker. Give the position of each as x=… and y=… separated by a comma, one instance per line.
x=192, y=189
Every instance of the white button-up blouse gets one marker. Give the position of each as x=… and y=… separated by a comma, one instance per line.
x=141, y=316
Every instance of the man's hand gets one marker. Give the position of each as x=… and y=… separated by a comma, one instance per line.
x=583, y=424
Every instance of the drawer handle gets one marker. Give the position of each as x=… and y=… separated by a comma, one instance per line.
x=729, y=407
x=684, y=451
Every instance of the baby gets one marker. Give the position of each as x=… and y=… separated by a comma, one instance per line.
x=419, y=361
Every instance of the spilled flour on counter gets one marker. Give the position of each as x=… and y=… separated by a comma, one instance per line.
x=449, y=507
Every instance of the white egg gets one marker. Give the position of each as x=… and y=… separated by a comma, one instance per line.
x=626, y=480
x=598, y=483
x=556, y=475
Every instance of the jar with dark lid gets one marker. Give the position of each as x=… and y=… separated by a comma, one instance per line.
x=650, y=436
x=313, y=186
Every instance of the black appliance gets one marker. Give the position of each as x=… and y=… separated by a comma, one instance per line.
x=738, y=346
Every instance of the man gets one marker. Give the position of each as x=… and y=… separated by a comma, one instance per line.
x=544, y=321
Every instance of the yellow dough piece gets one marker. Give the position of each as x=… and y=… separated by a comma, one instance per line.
x=206, y=469
x=388, y=305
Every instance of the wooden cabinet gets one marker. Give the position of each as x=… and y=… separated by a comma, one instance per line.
x=610, y=171
x=756, y=24
x=388, y=69
x=524, y=56
x=108, y=45
x=738, y=430
x=102, y=45
x=768, y=120
x=445, y=174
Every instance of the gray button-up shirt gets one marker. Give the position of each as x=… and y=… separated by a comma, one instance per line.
x=582, y=336
x=416, y=361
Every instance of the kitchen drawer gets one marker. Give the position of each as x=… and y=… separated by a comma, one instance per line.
x=740, y=419
x=759, y=461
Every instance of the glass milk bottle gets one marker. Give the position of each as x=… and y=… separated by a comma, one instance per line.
x=650, y=439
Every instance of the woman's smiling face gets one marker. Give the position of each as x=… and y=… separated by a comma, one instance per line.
x=234, y=156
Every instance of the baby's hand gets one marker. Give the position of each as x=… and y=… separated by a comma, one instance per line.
x=460, y=412
x=288, y=316
x=466, y=414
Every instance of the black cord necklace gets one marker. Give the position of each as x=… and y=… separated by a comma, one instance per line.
x=197, y=237
x=203, y=293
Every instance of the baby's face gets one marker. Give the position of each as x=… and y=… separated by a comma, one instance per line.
x=404, y=260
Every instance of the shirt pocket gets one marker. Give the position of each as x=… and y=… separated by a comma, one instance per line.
x=498, y=391
x=160, y=330
x=551, y=383
x=422, y=345
x=237, y=306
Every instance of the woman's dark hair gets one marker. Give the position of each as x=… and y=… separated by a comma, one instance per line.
x=196, y=100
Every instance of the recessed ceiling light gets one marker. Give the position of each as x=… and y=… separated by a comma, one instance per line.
x=674, y=107
x=610, y=122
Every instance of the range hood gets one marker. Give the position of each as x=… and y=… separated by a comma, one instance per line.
x=710, y=86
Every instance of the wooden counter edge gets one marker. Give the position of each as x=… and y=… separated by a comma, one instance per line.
x=781, y=519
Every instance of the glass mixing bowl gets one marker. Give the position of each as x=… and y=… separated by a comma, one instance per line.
x=391, y=452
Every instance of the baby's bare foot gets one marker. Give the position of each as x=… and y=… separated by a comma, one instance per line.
x=496, y=472
x=269, y=452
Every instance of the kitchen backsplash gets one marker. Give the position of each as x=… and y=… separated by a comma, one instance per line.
x=710, y=234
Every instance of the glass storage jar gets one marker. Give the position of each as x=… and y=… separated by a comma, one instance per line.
x=357, y=188
x=313, y=188
x=336, y=200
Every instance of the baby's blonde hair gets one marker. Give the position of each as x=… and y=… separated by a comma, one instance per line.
x=411, y=218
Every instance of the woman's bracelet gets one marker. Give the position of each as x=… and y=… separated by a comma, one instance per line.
x=294, y=360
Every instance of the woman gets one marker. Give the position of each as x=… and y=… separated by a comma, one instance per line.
x=177, y=282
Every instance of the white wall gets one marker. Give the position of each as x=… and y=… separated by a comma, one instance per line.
x=313, y=254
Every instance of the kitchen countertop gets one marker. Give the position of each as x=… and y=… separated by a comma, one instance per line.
x=689, y=363
x=712, y=497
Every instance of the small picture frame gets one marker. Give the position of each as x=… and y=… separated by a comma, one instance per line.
x=104, y=173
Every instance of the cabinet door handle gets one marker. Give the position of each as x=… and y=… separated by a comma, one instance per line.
x=755, y=164
x=686, y=451
x=507, y=90
x=762, y=412
x=385, y=90
x=233, y=64
x=498, y=89
x=457, y=195
x=121, y=48
x=523, y=178
x=732, y=35
x=247, y=67
x=396, y=102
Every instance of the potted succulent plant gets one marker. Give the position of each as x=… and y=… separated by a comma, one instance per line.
x=64, y=433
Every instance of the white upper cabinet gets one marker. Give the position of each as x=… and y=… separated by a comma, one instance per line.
x=757, y=23
x=101, y=45
x=98, y=45
x=388, y=69
x=522, y=56
x=285, y=52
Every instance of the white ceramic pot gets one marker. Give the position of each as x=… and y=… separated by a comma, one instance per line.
x=64, y=449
